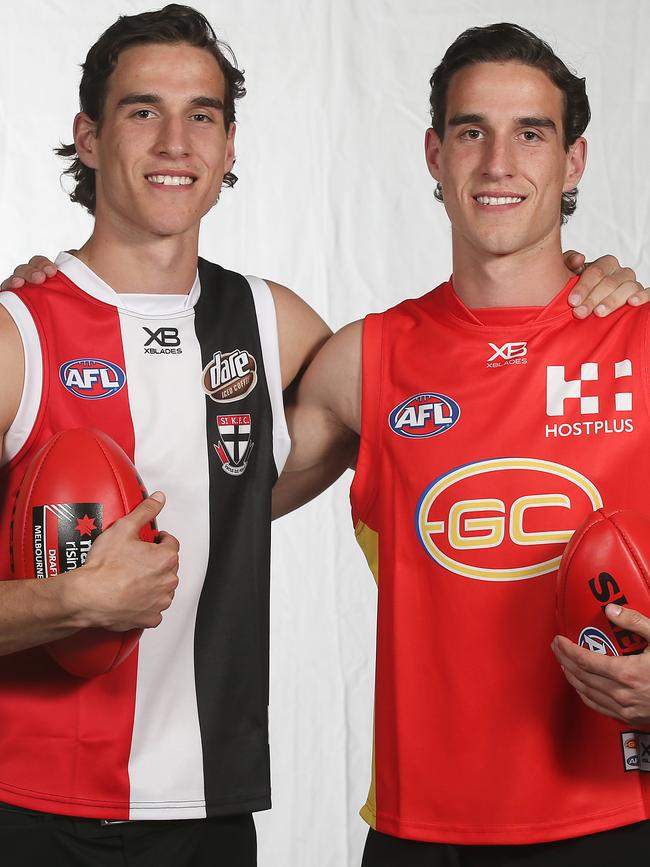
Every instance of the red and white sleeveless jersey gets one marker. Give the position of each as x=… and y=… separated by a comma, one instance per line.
x=487, y=436
x=190, y=387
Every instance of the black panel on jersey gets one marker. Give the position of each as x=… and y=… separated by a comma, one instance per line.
x=232, y=627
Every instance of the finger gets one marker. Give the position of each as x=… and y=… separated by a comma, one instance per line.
x=574, y=261
x=629, y=619
x=12, y=282
x=618, y=297
x=600, y=279
x=639, y=298
x=145, y=512
x=580, y=659
x=42, y=268
x=594, y=698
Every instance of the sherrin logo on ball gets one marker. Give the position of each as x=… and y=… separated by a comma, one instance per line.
x=504, y=519
x=92, y=378
x=606, y=561
x=424, y=415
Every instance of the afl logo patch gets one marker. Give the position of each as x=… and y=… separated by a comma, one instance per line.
x=593, y=639
x=424, y=415
x=230, y=376
x=92, y=378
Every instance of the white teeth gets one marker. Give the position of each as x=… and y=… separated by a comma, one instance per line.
x=170, y=180
x=499, y=200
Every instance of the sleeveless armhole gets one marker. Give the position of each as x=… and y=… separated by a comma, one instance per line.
x=268, y=331
x=366, y=478
x=23, y=424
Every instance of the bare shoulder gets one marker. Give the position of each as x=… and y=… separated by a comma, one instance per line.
x=13, y=370
x=301, y=331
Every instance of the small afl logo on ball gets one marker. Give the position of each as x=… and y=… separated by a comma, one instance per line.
x=92, y=378
x=424, y=415
x=596, y=641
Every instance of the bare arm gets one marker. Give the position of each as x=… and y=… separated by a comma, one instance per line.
x=324, y=420
x=125, y=582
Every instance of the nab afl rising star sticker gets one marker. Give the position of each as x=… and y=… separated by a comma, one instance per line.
x=235, y=445
x=230, y=375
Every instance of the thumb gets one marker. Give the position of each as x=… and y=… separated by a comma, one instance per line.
x=145, y=512
x=574, y=261
x=628, y=619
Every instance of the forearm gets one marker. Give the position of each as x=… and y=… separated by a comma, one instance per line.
x=34, y=612
x=322, y=447
x=294, y=488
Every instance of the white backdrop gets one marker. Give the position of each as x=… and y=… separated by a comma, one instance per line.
x=334, y=200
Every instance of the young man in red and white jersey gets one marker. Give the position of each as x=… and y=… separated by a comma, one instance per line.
x=132, y=221
x=491, y=421
x=101, y=770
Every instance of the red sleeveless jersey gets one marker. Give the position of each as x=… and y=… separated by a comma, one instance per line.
x=179, y=729
x=487, y=436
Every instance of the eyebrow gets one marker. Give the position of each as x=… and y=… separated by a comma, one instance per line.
x=532, y=120
x=156, y=99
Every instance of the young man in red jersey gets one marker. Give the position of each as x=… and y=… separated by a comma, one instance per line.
x=102, y=770
x=491, y=421
x=321, y=422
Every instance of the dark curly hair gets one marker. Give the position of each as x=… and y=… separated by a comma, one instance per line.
x=499, y=43
x=171, y=25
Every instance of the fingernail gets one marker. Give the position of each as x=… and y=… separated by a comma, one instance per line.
x=581, y=311
x=574, y=299
x=613, y=610
x=158, y=496
x=600, y=310
x=634, y=300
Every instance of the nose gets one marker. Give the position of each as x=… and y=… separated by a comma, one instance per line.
x=173, y=138
x=498, y=158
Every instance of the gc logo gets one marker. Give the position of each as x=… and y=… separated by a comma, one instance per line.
x=518, y=531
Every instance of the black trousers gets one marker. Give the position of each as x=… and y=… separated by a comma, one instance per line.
x=627, y=845
x=29, y=839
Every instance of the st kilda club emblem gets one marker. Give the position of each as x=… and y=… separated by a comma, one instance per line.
x=235, y=445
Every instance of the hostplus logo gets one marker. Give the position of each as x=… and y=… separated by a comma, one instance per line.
x=601, y=390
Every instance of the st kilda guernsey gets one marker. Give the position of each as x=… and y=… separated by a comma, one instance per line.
x=487, y=437
x=189, y=386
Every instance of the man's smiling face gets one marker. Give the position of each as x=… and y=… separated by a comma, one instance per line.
x=502, y=163
x=162, y=149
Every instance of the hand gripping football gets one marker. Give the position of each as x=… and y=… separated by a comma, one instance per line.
x=75, y=487
x=607, y=560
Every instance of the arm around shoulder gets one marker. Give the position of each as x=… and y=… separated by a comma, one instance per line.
x=324, y=418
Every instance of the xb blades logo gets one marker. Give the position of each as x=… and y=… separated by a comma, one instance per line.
x=509, y=353
x=166, y=338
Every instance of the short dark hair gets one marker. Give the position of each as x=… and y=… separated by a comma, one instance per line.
x=500, y=43
x=172, y=25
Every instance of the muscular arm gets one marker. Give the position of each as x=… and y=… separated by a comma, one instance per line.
x=125, y=582
x=324, y=418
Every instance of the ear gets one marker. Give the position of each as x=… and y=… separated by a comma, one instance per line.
x=85, y=138
x=432, y=148
x=229, y=160
x=576, y=162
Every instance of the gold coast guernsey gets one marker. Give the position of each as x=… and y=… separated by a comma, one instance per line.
x=487, y=436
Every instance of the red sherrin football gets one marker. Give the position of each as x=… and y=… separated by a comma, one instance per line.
x=76, y=486
x=607, y=560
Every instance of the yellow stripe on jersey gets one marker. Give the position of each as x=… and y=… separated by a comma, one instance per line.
x=369, y=542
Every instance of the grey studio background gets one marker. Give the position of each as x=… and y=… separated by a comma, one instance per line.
x=335, y=201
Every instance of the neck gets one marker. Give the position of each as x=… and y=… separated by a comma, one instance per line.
x=528, y=278
x=160, y=266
